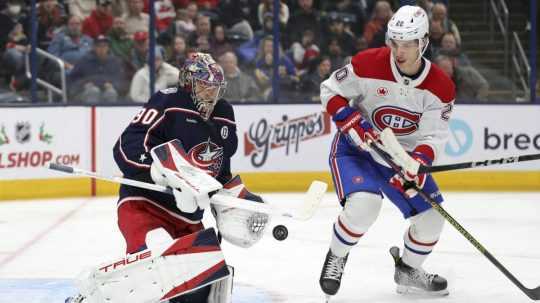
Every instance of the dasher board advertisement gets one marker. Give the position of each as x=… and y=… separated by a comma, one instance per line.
x=30, y=138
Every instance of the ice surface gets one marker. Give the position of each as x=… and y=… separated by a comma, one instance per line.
x=45, y=244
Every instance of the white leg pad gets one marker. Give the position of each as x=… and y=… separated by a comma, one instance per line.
x=221, y=291
x=157, y=275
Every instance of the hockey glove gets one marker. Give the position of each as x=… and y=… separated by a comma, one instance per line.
x=351, y=123
x=404, y=185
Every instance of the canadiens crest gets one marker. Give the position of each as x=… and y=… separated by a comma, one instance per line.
x=401, y=121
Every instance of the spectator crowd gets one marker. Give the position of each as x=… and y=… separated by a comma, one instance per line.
x=104, y=44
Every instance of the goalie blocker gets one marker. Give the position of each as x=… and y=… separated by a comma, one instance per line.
x=180, y=267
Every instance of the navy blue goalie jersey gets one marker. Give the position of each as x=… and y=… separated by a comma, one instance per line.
x=171, y=114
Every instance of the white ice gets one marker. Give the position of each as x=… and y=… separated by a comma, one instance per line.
x=44, y=244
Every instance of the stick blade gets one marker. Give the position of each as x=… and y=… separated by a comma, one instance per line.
x=312, y=199
x=534, y=294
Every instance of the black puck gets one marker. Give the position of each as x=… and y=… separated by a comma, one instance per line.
x=280, y=232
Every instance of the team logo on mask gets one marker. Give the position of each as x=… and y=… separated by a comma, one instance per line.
x=207, y=156
x=402, y=122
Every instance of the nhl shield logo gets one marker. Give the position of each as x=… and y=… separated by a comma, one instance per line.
x=22, y=132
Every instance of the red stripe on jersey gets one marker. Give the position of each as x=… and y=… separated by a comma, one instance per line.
x=373, y=63
x=335, y=104
x=439, y=84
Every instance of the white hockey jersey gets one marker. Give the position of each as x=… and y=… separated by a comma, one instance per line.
x=417, y=110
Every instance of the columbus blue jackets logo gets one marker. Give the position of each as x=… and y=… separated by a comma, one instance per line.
x=402, y=122
x=207, y=156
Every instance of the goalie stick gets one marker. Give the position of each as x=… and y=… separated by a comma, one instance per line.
x=311, y=199
x=533, y=293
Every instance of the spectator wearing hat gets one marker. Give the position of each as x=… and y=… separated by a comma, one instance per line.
x=100, y=20
x=71, y=44
x=166, y=76
x=139, y=50
x=136, y=19
x=97, y=77
x=10, y=16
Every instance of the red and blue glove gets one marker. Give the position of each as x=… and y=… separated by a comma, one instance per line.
x=401, y=184
x=350, y=122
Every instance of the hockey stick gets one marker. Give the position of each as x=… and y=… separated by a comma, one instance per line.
x=311, y=200
x=533, y=293
x=432, y=169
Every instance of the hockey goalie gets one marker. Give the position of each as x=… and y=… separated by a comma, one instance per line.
x=183, y=138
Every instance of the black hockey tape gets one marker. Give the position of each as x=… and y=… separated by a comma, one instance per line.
x=62, y=168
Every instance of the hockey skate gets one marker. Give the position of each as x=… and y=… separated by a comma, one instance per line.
x=416, y=280
x=331, y=274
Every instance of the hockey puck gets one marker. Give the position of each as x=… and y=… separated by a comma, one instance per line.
x=280, y=232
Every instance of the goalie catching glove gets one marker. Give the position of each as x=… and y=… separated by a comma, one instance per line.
x=238, y=226
x=351, y=123
x=191, y=185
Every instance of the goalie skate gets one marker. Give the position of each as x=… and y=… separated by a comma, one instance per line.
x=416, y=280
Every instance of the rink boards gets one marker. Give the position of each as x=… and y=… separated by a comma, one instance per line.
x=281, y=147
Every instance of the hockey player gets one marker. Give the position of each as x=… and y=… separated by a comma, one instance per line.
x=393, y=87
x=204, y=124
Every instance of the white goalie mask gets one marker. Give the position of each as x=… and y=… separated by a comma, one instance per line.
x=407, y=24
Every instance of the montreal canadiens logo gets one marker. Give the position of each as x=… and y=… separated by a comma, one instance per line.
x=207, y=156
x=401, y=121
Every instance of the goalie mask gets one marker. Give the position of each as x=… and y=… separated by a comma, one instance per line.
x=409, y=23
x=204, y=79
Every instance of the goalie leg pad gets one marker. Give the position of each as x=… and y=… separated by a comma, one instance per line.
x=176, y=268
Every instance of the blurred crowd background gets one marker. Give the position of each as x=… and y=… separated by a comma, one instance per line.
x=98, y=51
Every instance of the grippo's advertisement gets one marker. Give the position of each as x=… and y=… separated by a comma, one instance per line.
x=272, y=138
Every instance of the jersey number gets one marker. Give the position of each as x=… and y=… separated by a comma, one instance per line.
x=146, y=116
